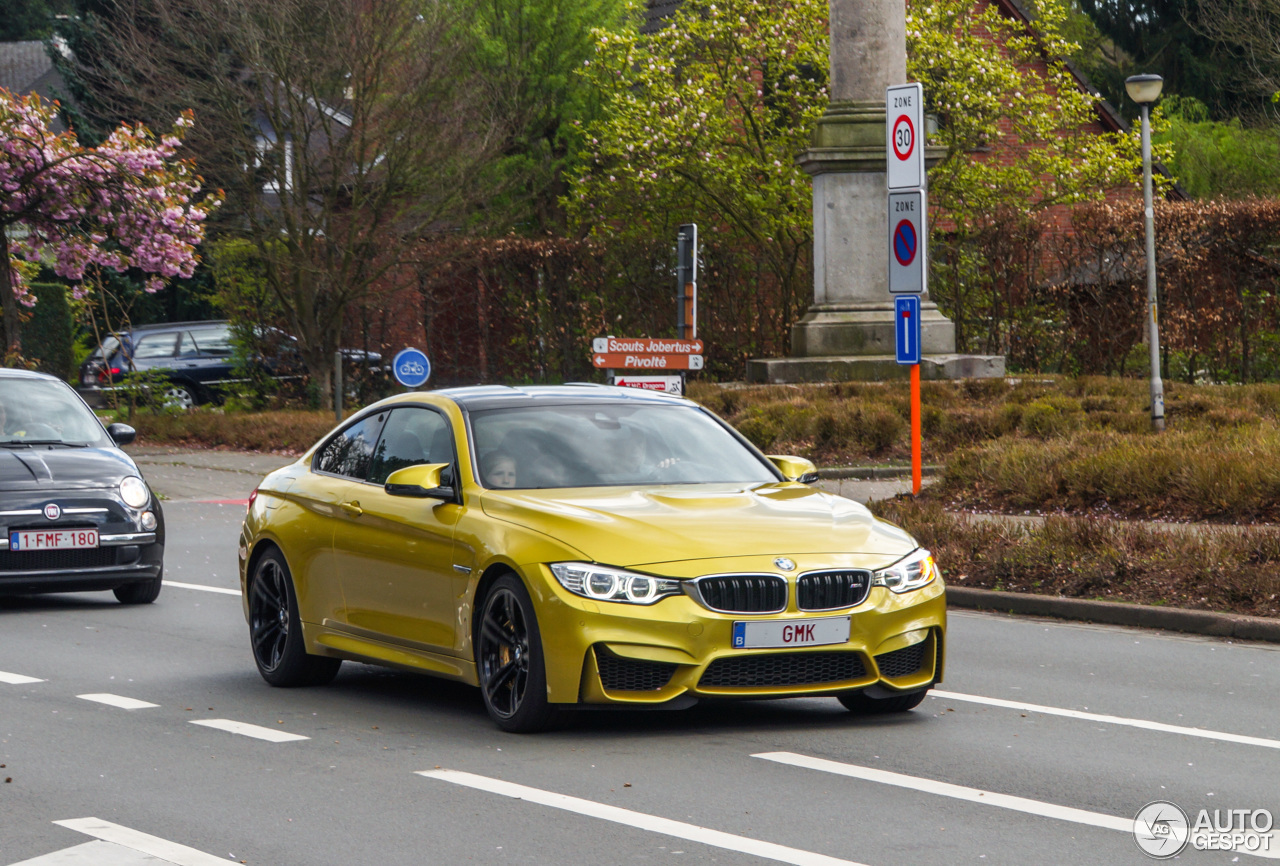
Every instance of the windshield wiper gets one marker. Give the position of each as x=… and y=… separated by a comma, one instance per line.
x=27, y=443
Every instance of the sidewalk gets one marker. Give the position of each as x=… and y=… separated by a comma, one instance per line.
x=178, y=474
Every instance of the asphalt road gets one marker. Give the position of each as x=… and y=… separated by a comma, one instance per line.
x=1039, y=748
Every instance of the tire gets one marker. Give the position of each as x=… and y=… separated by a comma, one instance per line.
x=142, y=592
x=275, y=629
x=178, y=397
x=860, y=702
x=509, y=659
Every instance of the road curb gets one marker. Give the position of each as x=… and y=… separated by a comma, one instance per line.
x=868, y=473
x=1118, y=613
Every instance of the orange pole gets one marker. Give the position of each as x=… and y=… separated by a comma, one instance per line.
x=915, y=430
x=690, y=330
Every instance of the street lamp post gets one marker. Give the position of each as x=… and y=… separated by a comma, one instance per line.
x=1144, y=90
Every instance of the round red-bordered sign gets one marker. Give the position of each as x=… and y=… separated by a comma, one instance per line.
x=905, y=243
x=904, y=137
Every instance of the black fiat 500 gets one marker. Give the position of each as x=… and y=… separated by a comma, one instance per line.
x=75, y=511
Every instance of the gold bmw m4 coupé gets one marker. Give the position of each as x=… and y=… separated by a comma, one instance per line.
x=581, y=545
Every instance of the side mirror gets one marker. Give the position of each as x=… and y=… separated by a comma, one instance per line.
x=422, y=481
x=122, y=434
x=795, y=468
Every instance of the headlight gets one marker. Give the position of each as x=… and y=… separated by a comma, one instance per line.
x=913, y=571
x=134, y=492
x=601, y=583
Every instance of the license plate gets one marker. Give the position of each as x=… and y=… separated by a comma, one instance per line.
x=791, y=632
x=53, y=539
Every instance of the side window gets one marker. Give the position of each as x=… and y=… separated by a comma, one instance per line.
x=348, y=453
x=412, y=436
x=155, y=346
x=214, y=341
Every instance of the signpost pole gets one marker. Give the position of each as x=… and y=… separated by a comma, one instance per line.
x=916, y=470
x=337, y=386
x=687, y=279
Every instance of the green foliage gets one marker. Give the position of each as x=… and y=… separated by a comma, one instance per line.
x=1212, y=158
x=46, y=335
x=30, y=19
x=700, y=122
x=529, y=52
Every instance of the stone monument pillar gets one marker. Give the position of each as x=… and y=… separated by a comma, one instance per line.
x=848, y=333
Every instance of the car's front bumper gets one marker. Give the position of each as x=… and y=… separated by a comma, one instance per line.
x=676, y=650
x=117, y=562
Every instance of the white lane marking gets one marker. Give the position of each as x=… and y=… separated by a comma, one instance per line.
x=201, y=587
x=118, y=701
x=17, y=679
x=971, y=795
x=945, y=789
x=95, y=853
x=170, y=852
x=1110, y=720
x=640, y=820
x=247, y=730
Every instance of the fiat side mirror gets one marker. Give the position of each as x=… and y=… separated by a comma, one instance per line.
x=121, y=434
x=422, y=481
x=795, y=468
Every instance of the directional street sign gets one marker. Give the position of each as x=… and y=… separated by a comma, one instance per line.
x=411, y=368
x=669, y=384
x=904, y=133
x=908, y=259
x=645, y=361
x=646, y=345
x=906, y=314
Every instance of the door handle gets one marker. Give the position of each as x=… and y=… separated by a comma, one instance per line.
x=353, y=508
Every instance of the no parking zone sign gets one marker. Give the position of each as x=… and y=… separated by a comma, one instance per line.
x=907, y=236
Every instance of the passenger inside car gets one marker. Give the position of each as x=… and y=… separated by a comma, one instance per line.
x=499, y=469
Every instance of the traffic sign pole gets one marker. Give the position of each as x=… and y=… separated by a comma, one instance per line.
x=916, y=470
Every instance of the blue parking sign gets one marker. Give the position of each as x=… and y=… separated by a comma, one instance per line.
x=906, y=318
x=411, y=368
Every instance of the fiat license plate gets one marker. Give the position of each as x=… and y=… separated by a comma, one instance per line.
x=53, y=539
x=794, y=632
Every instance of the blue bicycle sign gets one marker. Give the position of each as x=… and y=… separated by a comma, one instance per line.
x=411, y=368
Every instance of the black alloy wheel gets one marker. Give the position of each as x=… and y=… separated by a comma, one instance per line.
x=513, y=678
x=275, y=629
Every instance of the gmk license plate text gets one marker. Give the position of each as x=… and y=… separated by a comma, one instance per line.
x=53, y=539
x=801, y=632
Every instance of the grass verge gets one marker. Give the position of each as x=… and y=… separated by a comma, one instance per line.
x=284, y=432
x=1235, y=570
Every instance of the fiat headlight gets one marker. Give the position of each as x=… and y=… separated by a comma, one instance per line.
x=913, y=571
x=601, y=583
x=134, y=492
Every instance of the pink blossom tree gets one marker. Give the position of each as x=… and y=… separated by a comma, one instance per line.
x=128, y=203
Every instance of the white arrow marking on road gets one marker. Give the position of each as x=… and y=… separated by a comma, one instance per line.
x=643, y=821
x=17, y=679
x=972, y=795
x=201, y=587
x=118, y=701
x=170, y=852
x=1110, y=720
x=246, y=730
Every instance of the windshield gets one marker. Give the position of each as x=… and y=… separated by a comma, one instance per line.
x=607, y=445
x=40, y=410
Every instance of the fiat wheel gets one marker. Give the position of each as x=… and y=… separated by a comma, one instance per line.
x=513, y=678
x=275, y=629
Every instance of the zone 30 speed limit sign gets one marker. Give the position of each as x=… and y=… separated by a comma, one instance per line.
x=904, y=115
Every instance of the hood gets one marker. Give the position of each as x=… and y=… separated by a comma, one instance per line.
x=42, y=467
x=632, y=527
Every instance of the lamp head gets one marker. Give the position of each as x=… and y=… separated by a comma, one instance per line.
x=1144, y=89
